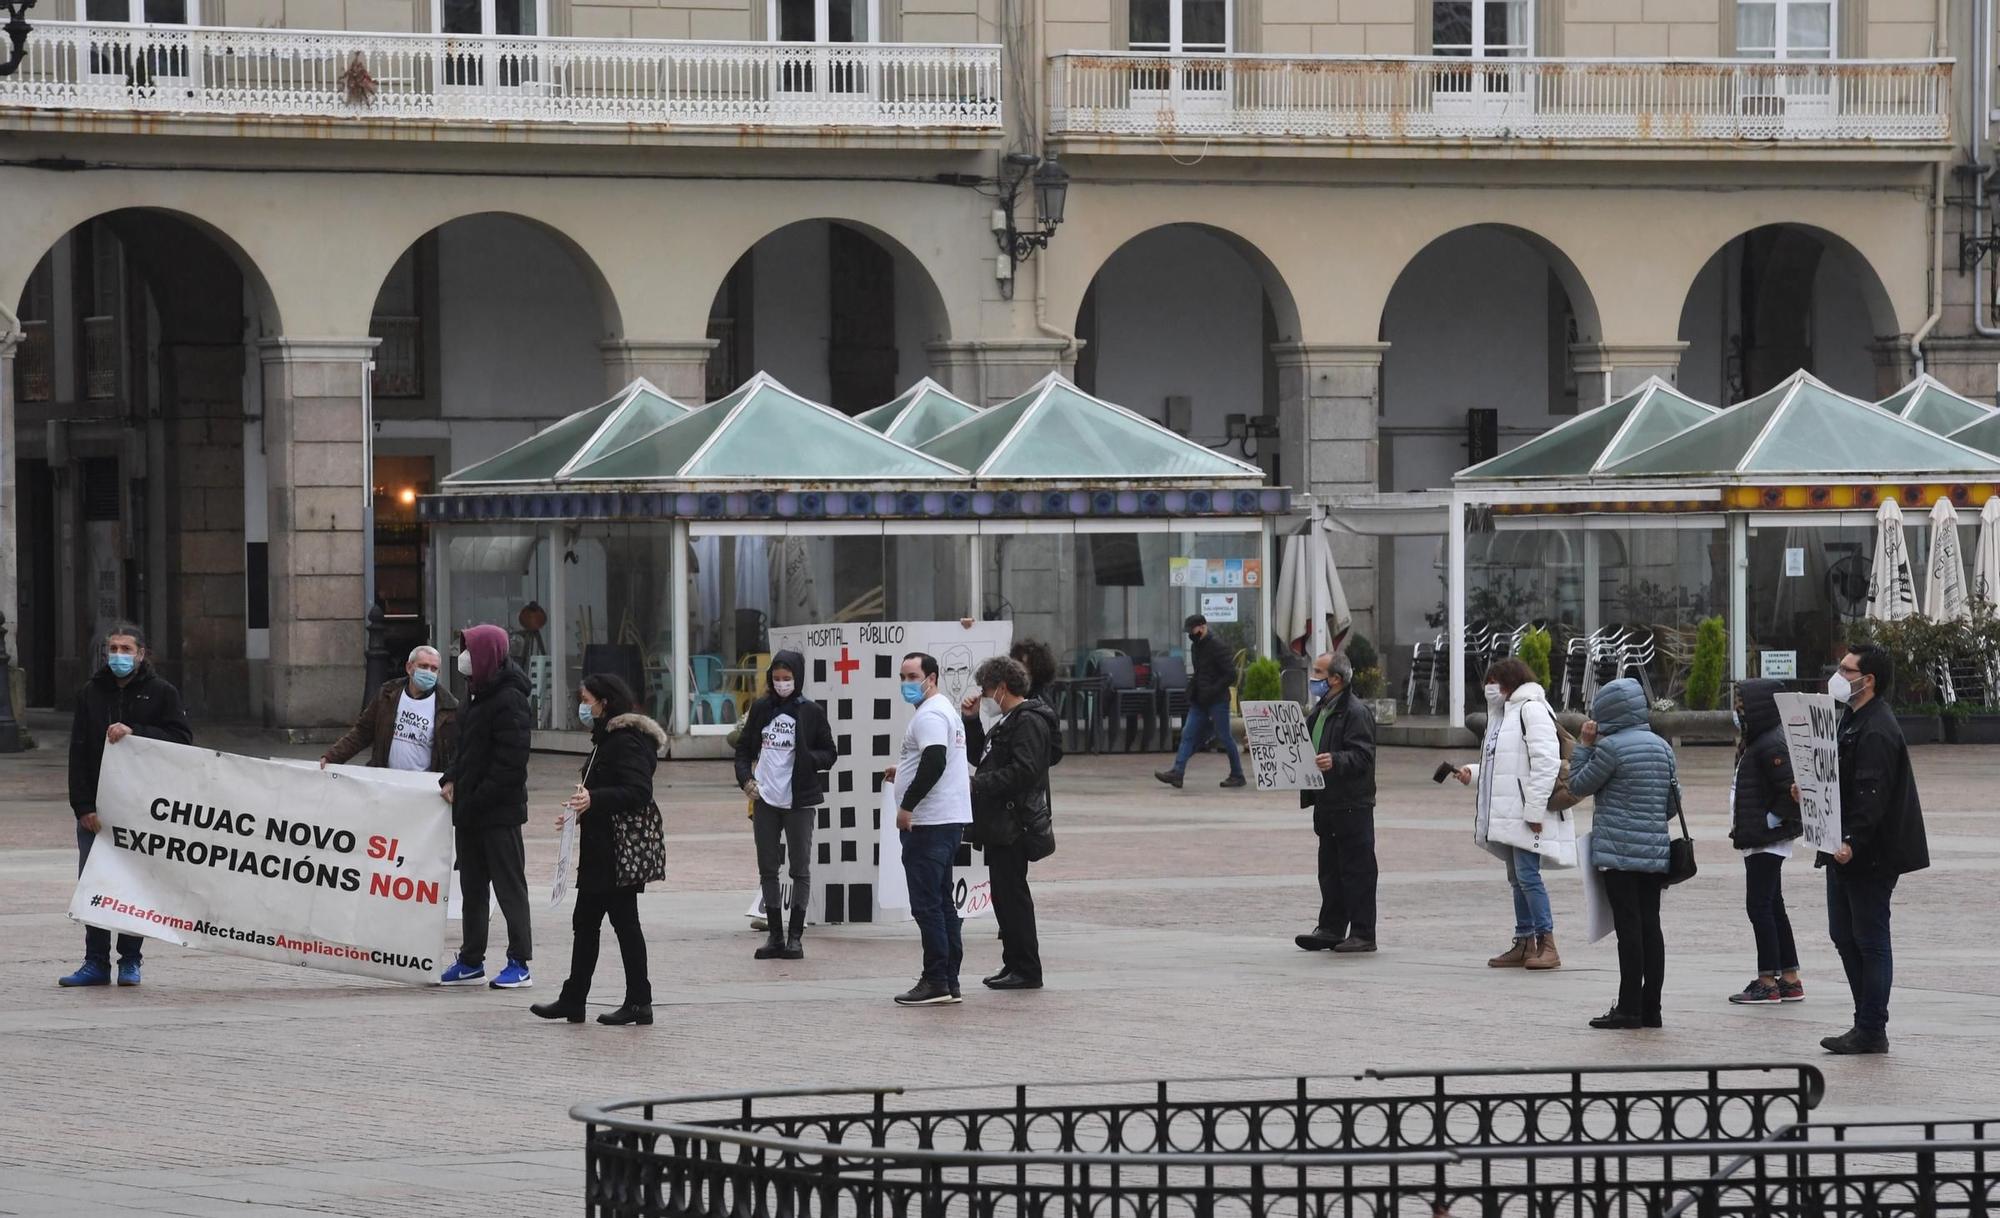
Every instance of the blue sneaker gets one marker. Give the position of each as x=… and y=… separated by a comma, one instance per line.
x=461, y=973
x=128, y=972
x=93, y=972
x=513, y=977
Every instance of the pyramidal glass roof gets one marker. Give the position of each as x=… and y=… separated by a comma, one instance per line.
x=1600, y=437
x=1983, y=435
x=923, y=411
x=554, y=451
x=763, y=430
x=1929, y=404
x=1056, y=430
x=1805, y=427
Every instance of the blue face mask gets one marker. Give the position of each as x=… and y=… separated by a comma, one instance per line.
x=425, y=679
x=583, y=713
x=913, y=692
x=120, y=664
x=1319, y=689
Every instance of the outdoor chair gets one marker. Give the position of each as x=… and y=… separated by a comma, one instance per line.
x=711, y=705
x=1124, y=698
x=1170, y=679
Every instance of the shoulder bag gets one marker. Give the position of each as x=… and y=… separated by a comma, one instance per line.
x=1680, y=850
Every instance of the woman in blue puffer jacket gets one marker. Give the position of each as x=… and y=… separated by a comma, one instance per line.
x=1631, y=772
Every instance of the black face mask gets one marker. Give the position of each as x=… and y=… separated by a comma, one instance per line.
x=1194, y=635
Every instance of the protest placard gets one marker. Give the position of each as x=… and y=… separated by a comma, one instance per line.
x=1812, y=737
x=1281, y=750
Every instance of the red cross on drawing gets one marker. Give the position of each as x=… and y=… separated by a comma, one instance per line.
x=845, y=666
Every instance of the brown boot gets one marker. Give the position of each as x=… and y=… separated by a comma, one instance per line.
x=1515, y=956
x=1544, y=954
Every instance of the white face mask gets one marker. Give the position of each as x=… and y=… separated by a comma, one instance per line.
x=464, y=663
x=1838, y=686
x=1493, y=693
x=989, y=707
x=783, y=688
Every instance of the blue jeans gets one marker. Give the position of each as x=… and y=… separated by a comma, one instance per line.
x=1857, y=918
x=1532, y=915
x=927, y=854
x=1194, y=733
x=96, y=939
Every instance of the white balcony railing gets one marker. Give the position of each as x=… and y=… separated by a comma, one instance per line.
x=334, y=74
x=1432, y=98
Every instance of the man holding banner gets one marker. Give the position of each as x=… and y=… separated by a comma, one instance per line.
x=1343, y=736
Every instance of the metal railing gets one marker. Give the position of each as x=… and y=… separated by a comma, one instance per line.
x=338, y=74
x=1417, y=98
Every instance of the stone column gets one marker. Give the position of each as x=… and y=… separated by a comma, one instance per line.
x=988, y=371
x=1606, y=372
x=315, y=433
x=10, y=603
x=1329, y=398
x=678, y=366
x=202, y=636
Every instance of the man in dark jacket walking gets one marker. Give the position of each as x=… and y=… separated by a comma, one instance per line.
x=1010, y=808
x=1343, y=735
x=1882, y=839
x=782, y=756
x=125, y=697
x=487, y=787
x=1211, y=675
x=410, y=724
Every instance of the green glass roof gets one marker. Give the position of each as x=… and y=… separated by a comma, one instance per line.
x=1983, y=435
x=1929, y=404
x=922, y=411
x=1805, y=427
x=1599, y=437
x=1056, y=430
x=763, y=430
x=554, y=451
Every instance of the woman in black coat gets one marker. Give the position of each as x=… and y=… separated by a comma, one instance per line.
x=1011, y=819
x=1764, y=820
x=617, y=782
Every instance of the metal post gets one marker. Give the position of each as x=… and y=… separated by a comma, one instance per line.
x=10, y=730
x=376, y=670
x=558, y=630
x=1739, y=596
x=677, y=606
x=1265, y=645
x=1455, y=605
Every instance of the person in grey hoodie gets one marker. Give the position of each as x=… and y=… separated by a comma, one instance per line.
x=781, y=762
x=1631, y=772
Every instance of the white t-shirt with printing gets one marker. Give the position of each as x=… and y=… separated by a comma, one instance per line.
x=416, y=732
x=949, y=801
x=775, y=760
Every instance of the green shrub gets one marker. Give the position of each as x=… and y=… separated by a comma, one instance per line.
x=1368, y=683
x=1360, y=652
x=1260, y=681
x=1534, y=652
x=1711, y=661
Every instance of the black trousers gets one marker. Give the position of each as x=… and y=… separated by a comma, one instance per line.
x=494, y=858
x=1347, y=871
x=1642, y=948
x=1764, y=901
x=784, y=835
x=621, y=905
x=1014, y=910
x=1857, y=917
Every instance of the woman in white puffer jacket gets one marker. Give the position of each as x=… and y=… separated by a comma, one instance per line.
x=1516, y=774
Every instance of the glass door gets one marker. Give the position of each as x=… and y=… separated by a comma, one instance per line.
x=1482, y=30
x=470, y=65
x=139, y=57
x=821, y=28
x=1181, y=28
x=1781, y=30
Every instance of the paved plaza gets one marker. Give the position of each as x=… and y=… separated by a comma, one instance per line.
x=232, y=1086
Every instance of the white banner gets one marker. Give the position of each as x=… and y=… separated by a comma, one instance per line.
x=1596, y=901
x=326, y=869
x=1812, y=737
x=1281, y=748
x=971, y=887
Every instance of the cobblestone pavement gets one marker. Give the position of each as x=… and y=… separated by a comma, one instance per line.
x=230, y=1086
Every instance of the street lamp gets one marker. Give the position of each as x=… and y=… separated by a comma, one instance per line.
x=17, y=33
x=1051, y=197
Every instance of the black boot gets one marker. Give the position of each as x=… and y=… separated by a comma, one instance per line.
x=563, y=1007
x=794, y=948
x=632, y=1012
x=774, y=942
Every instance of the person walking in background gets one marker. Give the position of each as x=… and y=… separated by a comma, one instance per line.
x=782, y=758
x=410, y=724
x=1343, y=735
x=617, y=785
x=933, y=789
x=1011, y=820
x=1882, y=839
x=1631, y=771
x=487, y=787
x=1516, y=777
x=1764, y=819
x=1211, y=675
x=125, y=697
x=1035, y=656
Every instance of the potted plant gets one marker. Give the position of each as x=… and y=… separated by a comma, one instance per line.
x=1262, y=682
x=1918, y=647
x=1979, y=722
x=1368, y=687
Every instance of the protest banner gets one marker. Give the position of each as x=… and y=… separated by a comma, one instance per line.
x=324, y=869
x=1596, y=900
x=1812, y=737
x=971, y=886
x=1281, y=749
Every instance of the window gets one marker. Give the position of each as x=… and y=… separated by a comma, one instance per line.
x=1482, y=29
x=823, y=21
x=398, y=321
x=1180, y=26
x=525, y=17
x=144, y=12
x=35, y=359
x=1785, y=29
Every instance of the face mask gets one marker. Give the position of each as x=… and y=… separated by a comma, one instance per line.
x=989, y=706
x=913, y=692
x=464, y=663
x=783, y=688
x=1736, y=717
x=1493, y=693
x=1318, y=688
x=1194, y=636
x=121, y=665
x=1838, y=686
x=426, y=679
x=583, y=713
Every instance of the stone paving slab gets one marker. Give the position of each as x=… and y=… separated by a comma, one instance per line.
x=229, y=1086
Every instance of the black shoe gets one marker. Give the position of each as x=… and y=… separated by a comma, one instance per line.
x=1171, y=777
x=926, y=993
x=1651, y=1020
x=774, y=946
x=794, y=946
x=640, y=1013
x=1854, y=1041
x=1014, y=981
x=995, y=977
x=1319, y=939
x=1234, y=780
x=1616, y=1020
x=955, y=995
x=559, y=1009
x=1354, y=943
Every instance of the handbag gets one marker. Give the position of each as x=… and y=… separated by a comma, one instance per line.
x=1038, y=829
x=638, y=847
x=1680, y=850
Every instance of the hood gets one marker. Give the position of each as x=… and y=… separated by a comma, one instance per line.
x=794, y=661
x=1619, y=706
x=1035, y=706
x=488, y=645
x=634, y=721
x=1760, y=706
x=1527, y=692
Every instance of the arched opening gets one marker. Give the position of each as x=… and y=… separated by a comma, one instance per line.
x=1489, y=329
x=837, y=311
x=135, y=385
x=1781, y=298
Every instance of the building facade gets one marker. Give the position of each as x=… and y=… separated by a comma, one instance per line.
x=279, y=265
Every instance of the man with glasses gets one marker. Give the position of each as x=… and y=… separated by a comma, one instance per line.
x=933, y=786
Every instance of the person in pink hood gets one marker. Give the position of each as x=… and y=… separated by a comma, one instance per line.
x=487, y=787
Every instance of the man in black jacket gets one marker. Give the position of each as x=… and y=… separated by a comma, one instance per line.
x=782, y=756
x=125, y=697
x=487, y=787
x=1211, y=675
x=1881, y=839
x=1343, y=736
x=1010, y=807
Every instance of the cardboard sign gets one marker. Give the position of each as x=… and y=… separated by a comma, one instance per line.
x=1281, y=749
x=1812, y=736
